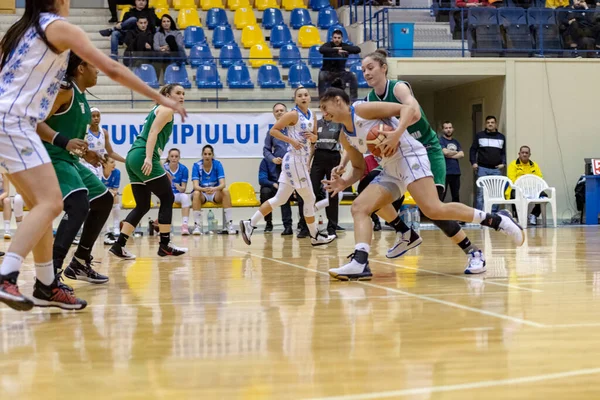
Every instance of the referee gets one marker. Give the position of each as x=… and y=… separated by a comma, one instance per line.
x=326, y=157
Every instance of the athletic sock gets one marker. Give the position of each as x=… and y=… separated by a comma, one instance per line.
x=122, y=239
x=184, y=220
x=6, y=226
x=256, y=219
x=399, y=225
x=467, y=246
x=228, y=214
x=361, y=253
x=198, y=217
x=312, y=228
x=165, y=238
x=11, y=262
x=44, y=272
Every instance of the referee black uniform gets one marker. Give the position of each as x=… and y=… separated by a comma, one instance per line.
x=326, y=157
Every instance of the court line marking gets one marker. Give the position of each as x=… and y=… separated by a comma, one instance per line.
x=464, y=278
x=483, y=328
x=416, y=296
x=465, y=386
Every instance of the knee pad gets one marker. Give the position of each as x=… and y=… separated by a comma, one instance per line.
x=450, y=228
x=18, y=205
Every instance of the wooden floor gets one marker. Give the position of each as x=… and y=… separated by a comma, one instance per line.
x=266, y=321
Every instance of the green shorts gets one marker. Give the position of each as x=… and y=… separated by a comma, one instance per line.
x=73, y=177
x=133, y=166
x=437, y=162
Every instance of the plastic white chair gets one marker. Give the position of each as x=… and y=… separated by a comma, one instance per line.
x=531, y=187
x=493, y=193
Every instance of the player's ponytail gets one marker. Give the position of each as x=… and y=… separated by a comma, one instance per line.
x=30, y=18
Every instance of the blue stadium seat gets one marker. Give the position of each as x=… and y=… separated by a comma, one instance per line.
x=147, y=73
x=269, y=77
x=222, y=35
x=352, y=60
x=357, y=70
x=483, y=16
x=193, y=35
x=289, y=55
x=280, y=36
x=318, y=5
x=341, y=28
x=315, y=58
x=207, y=77
x=216, y=17
x=238, y=77
x=300, y=76
x=272, y=17
x=541, y=16
x=484, y=35
x=513, y=22
x=176, y=73
x=200, y=54
x=299, y=18
x=327, y=18
x=544, y=27
x=230, y=54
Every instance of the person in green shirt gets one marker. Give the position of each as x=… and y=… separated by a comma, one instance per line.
x=148, y=176
x=375, y=69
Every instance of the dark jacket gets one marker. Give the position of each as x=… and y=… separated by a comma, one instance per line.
x=488, y=149
x=267, y=173
x=274, y=148
x=338, y=62
x=147, y=12
x=136, y=46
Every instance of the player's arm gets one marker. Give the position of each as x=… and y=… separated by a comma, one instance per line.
x=163, y=117
x=289, y=118
x=65, y=36
x=412, y=114
x=337, y=184
x=381, y=110
x=186, y=177
x=448, y=153
x=109, y=150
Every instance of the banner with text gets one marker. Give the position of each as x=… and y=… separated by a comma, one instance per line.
x=235, y=135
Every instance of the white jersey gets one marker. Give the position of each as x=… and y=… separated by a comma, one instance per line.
x=305, y=123
x=30, y=80
x=97, y=143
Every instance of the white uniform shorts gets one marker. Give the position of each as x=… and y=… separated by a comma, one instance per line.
x=409, y=164
x=20, y=146
x=183, y=199
x=294, y=171
x=98, y=171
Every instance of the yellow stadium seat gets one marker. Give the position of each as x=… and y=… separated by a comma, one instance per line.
x=243, y=17
x=242, y=195
x=260, y=54
x=408, y=200
x=158, y=4
x=208, y=4
x=262, y=5
x=348, y=202
x=179, y=4
x=188, y=17
x=123, y=12
x=235, y=4
x=122, y=6
x=161, y=11
x=252, y=35
x=127, y=200
x=289, y=5
x=210, y=204
x=309, y=36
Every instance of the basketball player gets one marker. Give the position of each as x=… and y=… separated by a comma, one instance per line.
x=99, y=142
x=179, y=175
x=111, y=178
x=404, y=165
x=375, y=69
x=301, y=126
x=148, y=176
x=34, y=54
x=17, y=204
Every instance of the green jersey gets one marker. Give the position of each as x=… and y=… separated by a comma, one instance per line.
x=420, y=130
x=72, y=123
x=161, y=140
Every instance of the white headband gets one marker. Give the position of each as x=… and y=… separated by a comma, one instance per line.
x=95, y=109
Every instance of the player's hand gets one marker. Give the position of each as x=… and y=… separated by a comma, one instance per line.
x=475, y=167
x=77, y=146
x=277, y=160
x=276, y=185
x=147, y=166
x=338, y=171
x=93, y=158
x=334, y=185
x=173, y=105
x=295, y=144
x=499, y=166
x=389, y=145
x=311, y=137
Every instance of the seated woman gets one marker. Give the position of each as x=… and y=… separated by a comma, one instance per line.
x=111, y=178
x=208, y=177
x=179, y=175
x=168, y=44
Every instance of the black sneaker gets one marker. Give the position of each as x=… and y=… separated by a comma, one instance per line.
x=339, y=228
x=113, y=20
x=287, y=231
x=61, y=284
x=171, y=250
x=54, y=296
x=377, y=226
x=303, y=234
x=81, y=272
x=119, y=251
x=105, y=32
x=10, y=295
x=269, y=227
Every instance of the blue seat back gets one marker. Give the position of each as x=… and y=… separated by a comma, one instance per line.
x=280, y=36
x=222, y=36
x=300, y=75
x=230, y=54
x=176, y=73
x=315, y=58
x=207, y=76
x=289, y=55
x=299, y=18
x=357, y=70
x=272, y=17
x=147, y=73
x=268, y=75
x=200, y=54
x=541, y=16
x=483, y=16
x=193, y=35
x=512, y=16
x=327, y=18
x=238, y=76
x=216, y=17
x=317, y=5
x=353, y=59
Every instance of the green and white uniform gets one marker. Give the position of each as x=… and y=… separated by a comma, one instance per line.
x=137, y=153
x=420, y=130
x=73, y=123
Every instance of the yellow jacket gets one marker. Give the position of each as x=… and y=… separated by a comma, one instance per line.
x=516, y=169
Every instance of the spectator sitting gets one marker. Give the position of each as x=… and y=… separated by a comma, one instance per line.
x=268, y=177
x=111, y=177
x=524, y=166
x=168, y=43
x=578, y=29
x=179, y=175
x=117, y=35
x=139, y=44
x=335, y=55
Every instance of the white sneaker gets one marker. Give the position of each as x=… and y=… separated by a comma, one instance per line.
x=246, y=228
x=109, y=239
x=509, y=227
x=404, y=242
x=475, y=263
x=7, y=235
x=322, y=239
x=532, y=220
x=197, y=230
x=352, y=271
x=185, y=230
x=230, y=229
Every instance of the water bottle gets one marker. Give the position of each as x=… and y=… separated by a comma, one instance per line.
x=320, y=227
x=405, y=214
x=211, y=221
x=150, y=227
x=416, y=219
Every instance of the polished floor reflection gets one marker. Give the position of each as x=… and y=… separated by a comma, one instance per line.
x=266, y=321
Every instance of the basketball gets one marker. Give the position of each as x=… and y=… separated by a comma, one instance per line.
x=374, y=138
